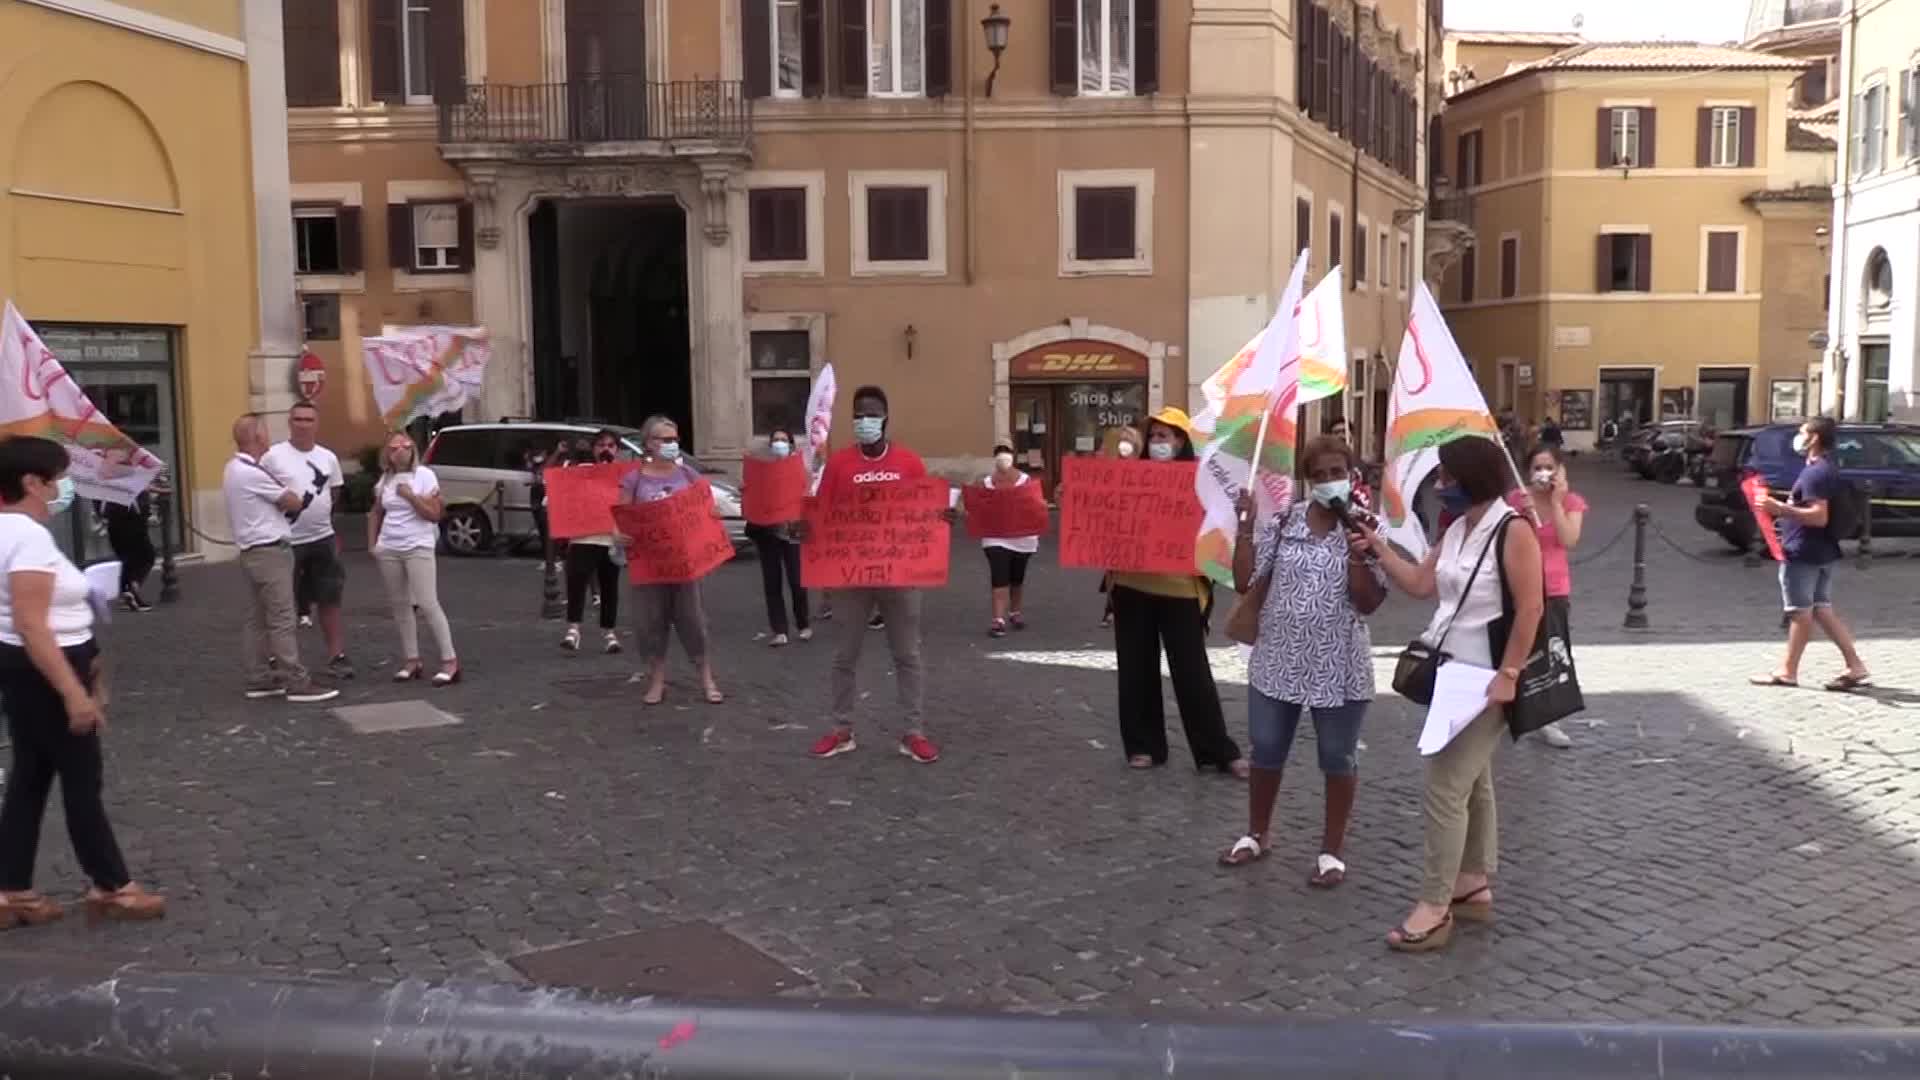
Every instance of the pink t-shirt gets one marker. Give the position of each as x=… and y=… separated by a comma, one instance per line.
x=1553, y=553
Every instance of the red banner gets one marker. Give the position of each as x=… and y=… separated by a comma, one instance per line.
x=774, y=491
x=673, y=540
x=580, y=498
x=1011, y=513
x=889, y=535
x=1140, y=516
x=1754, y=487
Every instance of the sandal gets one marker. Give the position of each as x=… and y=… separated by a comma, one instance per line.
x=1244, y=850
x=409, y=671
x=1328, y=872
x=1468, y=909
x=1141, y=761
x=650, y=699
x=1401, y=939
x=1849, y=681
x=28, y=909
x=1772, y=680
x=130, y=902
x=715, y=697
x=998, y=629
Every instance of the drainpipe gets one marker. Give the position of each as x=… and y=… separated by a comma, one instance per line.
x=967, y=152
x=1836, y=357
x=1353, y=174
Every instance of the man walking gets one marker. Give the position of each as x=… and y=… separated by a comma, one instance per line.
x=1812, y=549
x=260, y=511
x=319, y=578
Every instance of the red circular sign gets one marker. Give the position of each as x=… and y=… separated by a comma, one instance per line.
x=312, y=375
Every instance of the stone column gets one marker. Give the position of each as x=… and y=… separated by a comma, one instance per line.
x=722, y=393
x=499, y=297
x=276, y=352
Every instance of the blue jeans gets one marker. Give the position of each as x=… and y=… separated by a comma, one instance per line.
x=1271, y=724
x=1806, y=586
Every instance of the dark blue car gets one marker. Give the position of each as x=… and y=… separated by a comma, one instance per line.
x=1887, y=456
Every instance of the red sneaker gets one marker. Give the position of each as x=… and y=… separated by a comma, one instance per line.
x=833, y=744
x=920, y=749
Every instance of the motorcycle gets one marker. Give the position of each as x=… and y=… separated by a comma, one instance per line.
x=1675, y=457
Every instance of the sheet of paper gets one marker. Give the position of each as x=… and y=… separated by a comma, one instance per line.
x=103, y=585
x=1459, y=695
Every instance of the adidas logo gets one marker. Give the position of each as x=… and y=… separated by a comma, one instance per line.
x=874, y=477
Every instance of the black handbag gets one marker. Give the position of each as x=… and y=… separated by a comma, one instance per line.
x=1548, y=689
x=1419, y=663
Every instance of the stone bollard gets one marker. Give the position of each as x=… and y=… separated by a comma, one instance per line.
x=169, y=574
x=1866, y=524
x=1637, y=594
x=552, y=604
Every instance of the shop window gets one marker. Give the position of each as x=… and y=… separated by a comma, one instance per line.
x=782, y=370
x=320, y=317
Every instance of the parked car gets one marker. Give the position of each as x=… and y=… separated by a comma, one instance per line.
x=488, y=487
x=1885, y=455
x=1659, y=451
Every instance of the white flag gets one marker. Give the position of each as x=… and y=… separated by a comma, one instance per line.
x=1435, y=400
x=38, y=397
x=425, y=370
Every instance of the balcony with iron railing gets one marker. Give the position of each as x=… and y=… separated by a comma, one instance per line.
x=666, y=118
x=1446, y=204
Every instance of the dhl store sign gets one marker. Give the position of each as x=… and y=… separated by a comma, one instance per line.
x=1078, y=361
x=1070, y=397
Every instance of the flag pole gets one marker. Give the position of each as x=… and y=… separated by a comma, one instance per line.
x=1259, y=443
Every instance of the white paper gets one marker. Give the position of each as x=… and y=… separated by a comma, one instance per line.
x=1459, y=695
x=103, y=584
x=953, y=497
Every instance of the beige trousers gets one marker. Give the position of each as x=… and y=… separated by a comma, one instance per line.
x=1462, y=833
x=412, y=582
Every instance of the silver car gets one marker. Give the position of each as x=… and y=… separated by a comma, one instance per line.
x=486, y=474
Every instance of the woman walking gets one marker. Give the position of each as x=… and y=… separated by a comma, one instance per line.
x=662, y=610
x=54, y=691
x=1471, y=624
x=1562, y=513
x=402, y=531
x=780, y=562
x=1151, y=611
x=590, y=560
x=1007, y=556
x=1313, y=650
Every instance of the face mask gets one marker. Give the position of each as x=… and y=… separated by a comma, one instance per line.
x=1543, y=478
x=63, y=496
x=1800, y=443
x=1332, y=491
x=1160, y=451
x=868, y=430
x=606, y=455
x=1454, y=498
x=1004, y=461
x=780, y=448
x=669, y=451
x=1127, y=450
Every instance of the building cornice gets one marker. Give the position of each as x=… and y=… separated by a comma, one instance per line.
x=148, y=24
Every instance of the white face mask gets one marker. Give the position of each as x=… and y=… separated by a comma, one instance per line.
x=1160, y=451
x=1800, y=443
x=781, y=448
x=1127, y=450
x=1003, y=460
x=1543, y=478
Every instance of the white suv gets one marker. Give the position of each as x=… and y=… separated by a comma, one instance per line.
x=486, y=474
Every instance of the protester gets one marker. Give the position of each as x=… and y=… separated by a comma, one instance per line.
x=1812, y=550
x=663, y=610
x=1313, y=650
x=319, y=577
x=261, y=509
x=1471, y=625
x=1155, y=610
x=128, y=537
x=1007, y=556
x=402, y=532
x=1123, y=442
x=780, y=561
x=875, y=459
x=590, y=559
x=1362, y=493
x=1561, y=513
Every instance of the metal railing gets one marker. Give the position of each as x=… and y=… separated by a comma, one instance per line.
x=1451, y=206
x=605, y=109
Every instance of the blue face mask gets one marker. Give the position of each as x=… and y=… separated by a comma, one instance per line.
x=1453, y=498
x=1333, y=491
x=63, y=496
x=669, y=451
x=868, y=430
x=780, y=448
x=1160, y=451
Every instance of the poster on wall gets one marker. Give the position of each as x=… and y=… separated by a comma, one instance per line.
x=1787, y=400
x=1576, y=410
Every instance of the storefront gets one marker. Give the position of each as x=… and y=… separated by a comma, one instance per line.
x=1067, y=395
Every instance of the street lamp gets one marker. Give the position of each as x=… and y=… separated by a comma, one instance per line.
x=996, y=25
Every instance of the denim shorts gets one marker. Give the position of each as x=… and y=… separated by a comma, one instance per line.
x=1805, y=586
x=1271, y=725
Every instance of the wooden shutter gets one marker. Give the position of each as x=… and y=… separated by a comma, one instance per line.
x=777, y=224
x=1723, y=261
x=1303, y=54
x=1467, y=269
x=939, y=41
x=465, y=255
x=1460, y=150
x=1603, y=147
x=1509, y=267
x=1103, y=223
x=1360, y=248
x=854, y=61
x=311, y=34
x=400, y=237
x=1302, y=225
x=813, y=51
x=1064, y=46
x=1643, y=261
x=1337, y=83
x=1603, y=265
x=1322, y=62
x=384, y=52
x=897, y=224
x=346, y=221
x=1647, y=141
x=1336, y=235
x=1362, y=103
x=1748, y=136
x=1146, y=46
x=1703, y=138
x=447, y=50
x=756, y=47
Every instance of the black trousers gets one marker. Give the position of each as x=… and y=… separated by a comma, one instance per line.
x=780, y=570
x=127, y=535
x=592, y=561
x=43, y=749
x=1142, y=624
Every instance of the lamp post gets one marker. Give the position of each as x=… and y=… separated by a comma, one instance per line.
x=995, y=25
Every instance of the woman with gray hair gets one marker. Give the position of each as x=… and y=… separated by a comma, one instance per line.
x=661, y=610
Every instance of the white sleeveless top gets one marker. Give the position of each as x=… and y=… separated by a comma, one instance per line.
x=1460, y=548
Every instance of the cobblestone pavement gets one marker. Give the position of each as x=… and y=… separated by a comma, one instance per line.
x=1708, y=851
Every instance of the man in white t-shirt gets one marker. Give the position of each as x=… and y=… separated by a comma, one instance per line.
x=260, y=510
x=319, y=578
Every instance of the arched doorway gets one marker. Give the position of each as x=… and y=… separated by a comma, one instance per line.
x=1067, y=387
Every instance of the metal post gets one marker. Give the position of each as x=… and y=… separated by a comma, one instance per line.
x=169, y=574
x=1866, y=524
x=1637, y=594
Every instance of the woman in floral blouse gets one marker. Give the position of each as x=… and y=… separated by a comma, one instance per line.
x=1313, y=650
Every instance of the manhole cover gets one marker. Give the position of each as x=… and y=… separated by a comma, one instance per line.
x=393, y=716
x=599, y=687
x=691, y=960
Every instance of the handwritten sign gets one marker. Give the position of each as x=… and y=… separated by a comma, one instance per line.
x=1009, y=512
x=889, y=535
x=580, y=498
x=673, y=540
x=1754, y=487
x=775, y=490
x=1140, y=516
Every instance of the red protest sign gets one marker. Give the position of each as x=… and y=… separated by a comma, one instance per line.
x=774, y=491
x=1140, y=516
x=1011, y=512
x=673, y=540
x=887, y=535
x=580, y=498
x=1754, y=487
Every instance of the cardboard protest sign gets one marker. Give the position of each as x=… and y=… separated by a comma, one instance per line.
x=1012, y=512
x=1754, y=487
x=774, y=491
x=673, y=540
x=1140, y=516
x=580, y=498
x=888, y=535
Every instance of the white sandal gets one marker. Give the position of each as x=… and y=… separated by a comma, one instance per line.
x=1247, y=845
x=1325, y=865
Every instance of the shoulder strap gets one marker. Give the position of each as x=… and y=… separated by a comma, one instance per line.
x=1467, y=592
